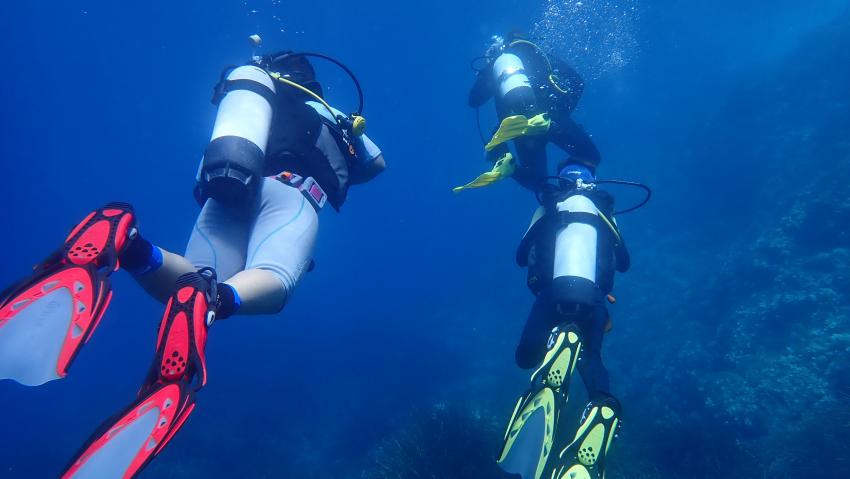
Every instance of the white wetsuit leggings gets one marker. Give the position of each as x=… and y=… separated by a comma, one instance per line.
x=277, y=234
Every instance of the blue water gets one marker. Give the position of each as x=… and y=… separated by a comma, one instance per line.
x=730, y=351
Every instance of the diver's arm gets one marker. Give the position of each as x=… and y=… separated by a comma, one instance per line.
x=482, y=89
x=364, y=172
x=368, y=161
x=530, y=177
x=573, y=139
x=622, y=258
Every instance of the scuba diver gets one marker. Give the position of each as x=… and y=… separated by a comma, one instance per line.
x=571, y=249
x=279, y=154
x=535, y=94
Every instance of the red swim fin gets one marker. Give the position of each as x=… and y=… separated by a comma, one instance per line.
x=130, y=440
x=45, y=319
x=123, y=446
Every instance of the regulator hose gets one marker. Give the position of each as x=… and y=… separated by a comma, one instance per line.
x=560, y=179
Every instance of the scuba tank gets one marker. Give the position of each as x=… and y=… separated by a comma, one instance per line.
x=515, y=91
x=575, y=255
x=573, y=245
x=234, y=160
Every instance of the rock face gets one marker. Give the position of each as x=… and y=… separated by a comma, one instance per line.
x=744, y=371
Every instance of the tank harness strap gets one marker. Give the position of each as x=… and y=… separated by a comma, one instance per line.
x=507, y=74
x=554, y=220
x=598, y=220
x=250, y=85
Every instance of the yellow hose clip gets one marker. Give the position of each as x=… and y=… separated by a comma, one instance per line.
x=358, y=125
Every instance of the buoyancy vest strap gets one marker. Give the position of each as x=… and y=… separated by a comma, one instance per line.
x=562, y=219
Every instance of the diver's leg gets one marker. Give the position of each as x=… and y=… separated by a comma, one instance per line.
x=571, y=137
x=124, y=444
x=531, y=430
x=46, y=318
x=128, y=441
x=279, y=249
x=592, y=370
x=538, y=327
x=532, y=166
x=585, y=456
x=219, y=239
x=162, y=271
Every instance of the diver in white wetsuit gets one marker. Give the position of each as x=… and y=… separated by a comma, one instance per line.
x=279, y=154
x=260, y=247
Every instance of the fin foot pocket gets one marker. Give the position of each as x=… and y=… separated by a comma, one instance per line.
x=585, y=456
x=556, y=369
x=182, y=337
x=46, y=318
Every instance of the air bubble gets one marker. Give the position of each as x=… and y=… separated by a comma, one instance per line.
x=595, y=37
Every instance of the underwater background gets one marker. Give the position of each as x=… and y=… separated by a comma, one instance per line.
x=731, y=343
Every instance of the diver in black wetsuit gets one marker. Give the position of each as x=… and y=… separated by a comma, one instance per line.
x=557, y=303
x=525, y=81
x=572, y=250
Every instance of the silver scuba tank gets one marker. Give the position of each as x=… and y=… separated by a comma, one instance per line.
x=509, y=73
x=574, y=271
x=515, y=94
x=234, y=160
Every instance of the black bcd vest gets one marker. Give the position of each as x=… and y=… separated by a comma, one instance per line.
x=296, y=144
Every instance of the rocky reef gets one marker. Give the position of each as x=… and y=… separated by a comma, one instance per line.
x=449, y=440
x=745, y=370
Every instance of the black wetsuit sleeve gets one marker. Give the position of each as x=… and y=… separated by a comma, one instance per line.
x=622, y=258
x=483, y=88
x=571, y=137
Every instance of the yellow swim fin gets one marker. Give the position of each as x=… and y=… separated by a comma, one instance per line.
x=503, y=168
x=519, y=125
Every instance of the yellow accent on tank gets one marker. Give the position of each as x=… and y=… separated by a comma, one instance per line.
x=607, y=412
x=503, y=168
x=358, y=122
x=518, y=125
x=553, y=79
x=610, y=225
